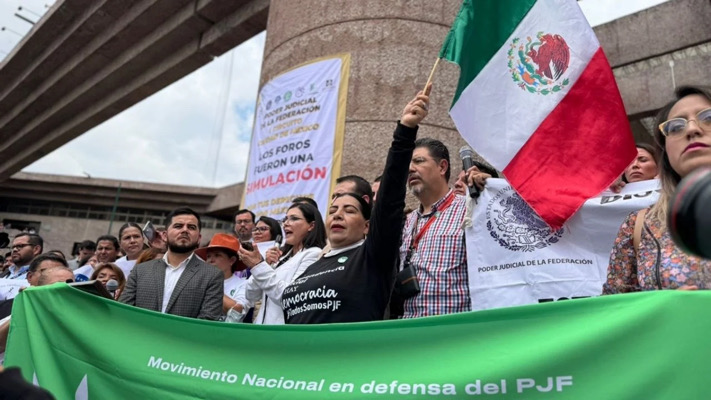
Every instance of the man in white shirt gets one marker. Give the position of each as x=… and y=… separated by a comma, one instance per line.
x=180, y=283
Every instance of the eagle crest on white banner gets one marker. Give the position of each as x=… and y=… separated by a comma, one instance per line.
x=530, y=263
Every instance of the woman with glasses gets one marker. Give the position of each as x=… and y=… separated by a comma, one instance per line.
x=352, y=281
x=304, y=237
x=266, y=230
x=644, y=257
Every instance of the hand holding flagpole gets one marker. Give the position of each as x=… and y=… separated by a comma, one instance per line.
x=429, y=79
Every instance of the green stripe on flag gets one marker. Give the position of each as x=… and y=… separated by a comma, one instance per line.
x=478, y=32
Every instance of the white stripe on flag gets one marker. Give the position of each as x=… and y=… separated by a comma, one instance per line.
x=493, y=114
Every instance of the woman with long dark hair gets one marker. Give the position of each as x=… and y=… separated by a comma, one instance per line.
x=266, y=230
x=644, y=257
x=304, y=236
x=645, y=165
x=352, y=282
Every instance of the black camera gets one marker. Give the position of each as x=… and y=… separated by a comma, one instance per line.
x=406, y=284
x=690, y=215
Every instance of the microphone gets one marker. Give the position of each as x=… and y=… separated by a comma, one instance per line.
x=466, y=154
x=277, y=243
x=689, y=216
x=112, y=286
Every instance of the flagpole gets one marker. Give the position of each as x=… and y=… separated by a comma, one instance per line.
x=429, y=80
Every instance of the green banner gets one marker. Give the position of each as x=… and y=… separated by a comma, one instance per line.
x=634, y=346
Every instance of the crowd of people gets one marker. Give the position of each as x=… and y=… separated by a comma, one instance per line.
x=367, y=259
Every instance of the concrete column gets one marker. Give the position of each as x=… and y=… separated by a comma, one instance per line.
x=393, y=46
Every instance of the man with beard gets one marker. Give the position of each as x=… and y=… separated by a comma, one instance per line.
x=244, y=223
x=180, y=283
x=25, y=247
x=433, y=238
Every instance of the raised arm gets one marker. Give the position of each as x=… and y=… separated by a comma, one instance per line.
x=387, y=219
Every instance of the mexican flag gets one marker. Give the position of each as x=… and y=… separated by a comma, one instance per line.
x=537, y=99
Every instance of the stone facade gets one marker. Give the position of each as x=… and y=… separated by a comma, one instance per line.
x=393, y=46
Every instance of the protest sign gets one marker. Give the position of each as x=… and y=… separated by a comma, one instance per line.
x=297, y=139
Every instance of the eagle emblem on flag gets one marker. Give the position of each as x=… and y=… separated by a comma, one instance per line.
x=515, y=226
x=538, y=66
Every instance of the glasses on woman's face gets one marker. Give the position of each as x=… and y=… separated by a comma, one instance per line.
x=260, y=229
x=290, y=219
x=677, y=126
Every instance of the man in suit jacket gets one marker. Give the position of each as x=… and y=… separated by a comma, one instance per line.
x=180, y=283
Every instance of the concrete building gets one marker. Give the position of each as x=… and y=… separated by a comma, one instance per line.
x=65, y=210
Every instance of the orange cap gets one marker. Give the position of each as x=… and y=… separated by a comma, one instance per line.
x=223, y=241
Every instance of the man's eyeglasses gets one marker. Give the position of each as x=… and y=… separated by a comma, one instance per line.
x=243, y=222
x=677, y=126
x=291, y=219
x=260, y=229
x=19, y=246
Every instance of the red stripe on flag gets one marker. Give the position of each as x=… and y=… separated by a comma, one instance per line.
x=583, y=145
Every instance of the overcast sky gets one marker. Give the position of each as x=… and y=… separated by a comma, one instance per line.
x=197, y=130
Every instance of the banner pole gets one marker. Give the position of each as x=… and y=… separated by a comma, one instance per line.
x=429, y=80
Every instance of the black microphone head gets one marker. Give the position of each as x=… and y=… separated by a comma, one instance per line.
x=466, y=151
x=112, y=285
x=689, y=219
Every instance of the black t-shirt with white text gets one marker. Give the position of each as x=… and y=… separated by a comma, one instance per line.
x=355, y=285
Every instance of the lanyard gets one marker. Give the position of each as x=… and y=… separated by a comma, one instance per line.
x=416, y=236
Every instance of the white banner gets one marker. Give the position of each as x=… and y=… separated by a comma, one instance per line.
x=298, y=137
x=515, y=259
x=9, y=288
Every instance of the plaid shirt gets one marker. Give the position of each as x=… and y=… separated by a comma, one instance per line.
x=440, y=261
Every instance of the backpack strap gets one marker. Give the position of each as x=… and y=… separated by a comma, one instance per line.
x=638, y=225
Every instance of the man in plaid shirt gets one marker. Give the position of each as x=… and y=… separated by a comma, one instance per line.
x=434, y=237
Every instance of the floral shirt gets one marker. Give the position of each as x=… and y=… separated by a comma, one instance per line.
x=630, y=272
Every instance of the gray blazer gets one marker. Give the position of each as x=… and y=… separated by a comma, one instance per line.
x=197, y=294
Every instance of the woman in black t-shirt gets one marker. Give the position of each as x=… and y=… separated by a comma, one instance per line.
x=352, y=282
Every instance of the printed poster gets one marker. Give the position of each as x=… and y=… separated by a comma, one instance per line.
x=297, y=140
